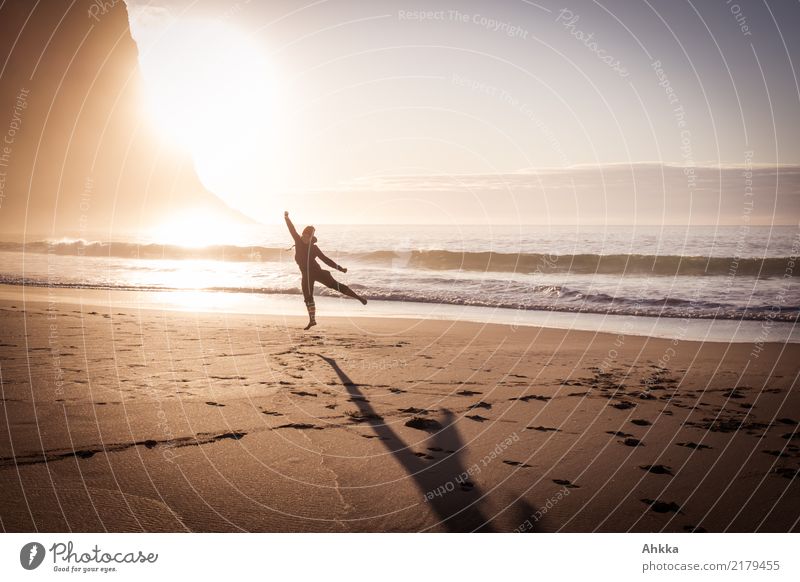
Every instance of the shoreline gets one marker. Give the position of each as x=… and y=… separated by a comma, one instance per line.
x=289, y=306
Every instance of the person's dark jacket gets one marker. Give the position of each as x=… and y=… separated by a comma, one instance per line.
x=306, y=254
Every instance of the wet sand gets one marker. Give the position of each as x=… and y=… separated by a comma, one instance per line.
x=118, y=418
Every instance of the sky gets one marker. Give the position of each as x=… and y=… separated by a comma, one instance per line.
x=184, y=120
x=346, y=93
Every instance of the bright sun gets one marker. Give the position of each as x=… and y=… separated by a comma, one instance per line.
x=205, y=82
x=209, y=89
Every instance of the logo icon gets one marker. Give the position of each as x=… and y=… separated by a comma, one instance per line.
x=31, y=555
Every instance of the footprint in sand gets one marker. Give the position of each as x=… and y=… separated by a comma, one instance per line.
x=413, y=410
x=484, y=405
x=476, y=417
x=632, y=442
x=435, y=449
x=302, y=393
x=531, y=397
x=543, y=428
x=214, y=403
x=425, y=456
x=733, y=393
x=662, y=506
x=787, y=472
x=618, y=433
x=467, y=393
x=640, y=422
x=566, y=483
x=656, y=469
x=426, y=424
x=693, y=446
x=518, y=464
x=358, y=416
x=624, y=405
x=467, y=486
x=271, y=413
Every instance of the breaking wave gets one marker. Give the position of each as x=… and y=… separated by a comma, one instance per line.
x=443, y=260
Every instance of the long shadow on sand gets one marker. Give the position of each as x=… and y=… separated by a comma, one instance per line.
x=457, y=507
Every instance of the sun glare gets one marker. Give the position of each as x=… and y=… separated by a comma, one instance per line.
x=206, y=85
x=209, y=89
x=195, y=229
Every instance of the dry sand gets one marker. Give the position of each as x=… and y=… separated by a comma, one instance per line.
x=124, y=419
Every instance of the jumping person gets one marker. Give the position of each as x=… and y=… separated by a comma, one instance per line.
x=306, y=253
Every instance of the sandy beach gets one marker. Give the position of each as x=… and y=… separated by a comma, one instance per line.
x=129, y=419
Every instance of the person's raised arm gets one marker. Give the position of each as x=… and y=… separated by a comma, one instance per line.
x=321, y=256
x=292, y=229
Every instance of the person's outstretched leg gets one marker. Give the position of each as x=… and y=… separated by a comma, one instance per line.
x=345, y=290
x=327, y=279
x=307, y=285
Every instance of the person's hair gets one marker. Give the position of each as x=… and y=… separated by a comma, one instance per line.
x=309, y=230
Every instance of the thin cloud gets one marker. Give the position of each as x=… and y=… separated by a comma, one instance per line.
x=723, y=178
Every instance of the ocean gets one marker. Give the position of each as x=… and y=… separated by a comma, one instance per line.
x=700, y=272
